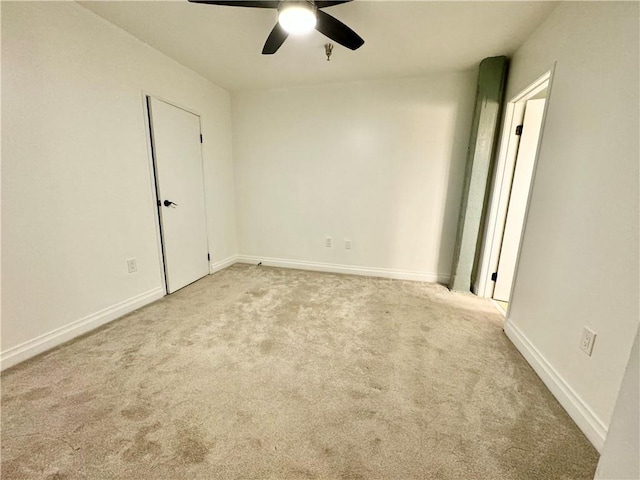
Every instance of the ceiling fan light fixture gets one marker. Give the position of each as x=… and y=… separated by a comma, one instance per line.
x=297, y=19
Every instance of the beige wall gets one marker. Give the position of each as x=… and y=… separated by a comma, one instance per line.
x=620, y=456
x=579, y=260
x=380, y=163
x=77, y=197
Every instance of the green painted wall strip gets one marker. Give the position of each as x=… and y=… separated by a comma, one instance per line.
x=492, y=78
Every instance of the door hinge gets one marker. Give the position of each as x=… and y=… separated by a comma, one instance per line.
x=209, y=256
x=200, y=138
x=519, y=130
x=494, y=277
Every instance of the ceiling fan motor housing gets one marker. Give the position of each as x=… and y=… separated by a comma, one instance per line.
x=300, y=3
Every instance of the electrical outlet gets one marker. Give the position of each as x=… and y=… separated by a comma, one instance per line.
x=328, y=242
x=132, y=265
x=587, y=340
x=347, y=244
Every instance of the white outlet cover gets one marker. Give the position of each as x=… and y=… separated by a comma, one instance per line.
x=132, y=265
x=587, y=340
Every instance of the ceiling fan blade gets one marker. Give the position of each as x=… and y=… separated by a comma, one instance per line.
x=275, y=39
x=337, y=31
x=240, y=3
x=329, y=3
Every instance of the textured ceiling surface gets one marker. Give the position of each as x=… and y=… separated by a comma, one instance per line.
x=402, y=39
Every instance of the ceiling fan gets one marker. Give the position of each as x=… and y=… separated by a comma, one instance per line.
x=297, y=17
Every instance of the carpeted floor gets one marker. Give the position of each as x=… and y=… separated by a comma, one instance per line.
x=259, y=372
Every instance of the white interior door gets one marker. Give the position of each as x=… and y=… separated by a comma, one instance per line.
x=177, y=155
x=518, y=198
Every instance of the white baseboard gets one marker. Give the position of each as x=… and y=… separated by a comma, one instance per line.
x=594, y=429
x=348, y=269
x=227, y=262
x=30, y=348
x=499, y=307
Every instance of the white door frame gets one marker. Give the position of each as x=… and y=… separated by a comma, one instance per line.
x=153, y=182
x=501, y=188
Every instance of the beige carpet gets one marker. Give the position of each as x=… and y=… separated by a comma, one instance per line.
x=260, y=372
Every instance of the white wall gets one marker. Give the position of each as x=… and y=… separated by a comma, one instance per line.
x=77, y=197
x=380, y=163
x=579, y=260
x=619, y=458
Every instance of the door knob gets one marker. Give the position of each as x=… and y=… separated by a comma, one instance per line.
x=169, y=203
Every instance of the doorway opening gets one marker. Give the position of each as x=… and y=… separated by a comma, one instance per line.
x=515, y=170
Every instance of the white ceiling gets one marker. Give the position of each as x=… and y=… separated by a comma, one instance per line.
x=402, y=38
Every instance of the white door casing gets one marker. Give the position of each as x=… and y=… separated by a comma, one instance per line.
x=177, y=156
x=518, y=199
